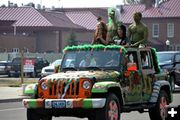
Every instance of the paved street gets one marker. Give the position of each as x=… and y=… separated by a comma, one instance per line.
x=15, y=111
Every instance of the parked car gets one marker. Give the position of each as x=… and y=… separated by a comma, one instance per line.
x=48, y=70
x=170, y=62
x=39, y=63
x=5, y=67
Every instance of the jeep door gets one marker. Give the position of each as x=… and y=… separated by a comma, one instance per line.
x=147, y=74
x=134, y=83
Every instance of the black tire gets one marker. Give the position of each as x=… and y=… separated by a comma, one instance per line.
x=112, y=107
x=172, y=83
x=33, y=75
x=160, y=113
x=37, y=114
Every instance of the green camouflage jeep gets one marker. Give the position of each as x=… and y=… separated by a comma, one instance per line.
x=100, y=82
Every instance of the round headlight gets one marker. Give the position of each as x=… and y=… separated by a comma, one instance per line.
x=44, y=86
x=86, y=85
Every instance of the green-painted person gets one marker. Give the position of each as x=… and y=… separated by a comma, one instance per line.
x=137, y=31
x=112, y=25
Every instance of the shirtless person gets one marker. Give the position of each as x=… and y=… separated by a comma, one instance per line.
x=137, y=31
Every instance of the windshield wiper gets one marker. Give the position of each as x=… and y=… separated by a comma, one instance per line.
x=70, y=68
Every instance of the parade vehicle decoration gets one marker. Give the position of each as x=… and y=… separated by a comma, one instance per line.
x=100, y=84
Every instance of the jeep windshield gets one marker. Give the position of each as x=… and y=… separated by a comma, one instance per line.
x=91, y=60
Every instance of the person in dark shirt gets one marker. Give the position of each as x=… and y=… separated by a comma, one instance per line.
x=121, y=38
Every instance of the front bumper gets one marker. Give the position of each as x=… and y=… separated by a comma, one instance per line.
x=64, y=103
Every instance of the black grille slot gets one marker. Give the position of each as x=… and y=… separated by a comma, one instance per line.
x=53, y=89
x=77, y=88
x=50, y=90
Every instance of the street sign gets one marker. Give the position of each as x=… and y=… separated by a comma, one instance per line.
x=28, y=65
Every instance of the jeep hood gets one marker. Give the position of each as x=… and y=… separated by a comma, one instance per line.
x=76, y=75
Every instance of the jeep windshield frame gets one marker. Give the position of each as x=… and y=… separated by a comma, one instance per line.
x=98, y=60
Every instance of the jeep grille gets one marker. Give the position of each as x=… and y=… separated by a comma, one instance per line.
x=63, y=89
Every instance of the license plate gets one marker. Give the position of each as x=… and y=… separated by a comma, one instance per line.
x=58, y=104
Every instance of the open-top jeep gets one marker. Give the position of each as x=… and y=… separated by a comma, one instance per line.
x=115, y=80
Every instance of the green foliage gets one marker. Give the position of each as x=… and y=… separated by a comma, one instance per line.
x=155, y=60
x=72, y=39
x=95, y=47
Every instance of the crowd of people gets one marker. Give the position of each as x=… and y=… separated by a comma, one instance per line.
x=114, y=32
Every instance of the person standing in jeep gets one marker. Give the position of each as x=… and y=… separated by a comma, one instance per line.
x=137, y=31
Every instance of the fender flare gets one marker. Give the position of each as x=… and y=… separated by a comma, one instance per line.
x=31, y=89
x=156, y=89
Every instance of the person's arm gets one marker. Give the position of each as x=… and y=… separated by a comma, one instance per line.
x=103, y=41
x=129, y=34
x=82, y=63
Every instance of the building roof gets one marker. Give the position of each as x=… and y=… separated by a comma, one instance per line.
x=24, y=16
x=31, y=18
x=59, y=19
x=128, y=11
x=83, y=18
x=169, y=8
x=166, y=9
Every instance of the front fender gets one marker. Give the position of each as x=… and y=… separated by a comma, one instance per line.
x=102, y=87
x=31, y=89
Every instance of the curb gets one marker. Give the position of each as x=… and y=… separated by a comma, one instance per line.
x=13, y=99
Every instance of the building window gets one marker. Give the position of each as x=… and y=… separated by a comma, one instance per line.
x=16, y=50
x=170, y=30
x=155, y=31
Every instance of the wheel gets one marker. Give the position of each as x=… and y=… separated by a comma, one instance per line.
x=160, y=112
x=33, y=75
x=172, y=83
x=36, y=114
x=111, y=111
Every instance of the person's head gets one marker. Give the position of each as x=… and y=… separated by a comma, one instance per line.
x=137, y=16
x=87, y=57
x=111, y=12
x=121, y=30
x=99, y=18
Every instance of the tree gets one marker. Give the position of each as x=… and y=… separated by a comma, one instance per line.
x=72, y=39
x=135, y=1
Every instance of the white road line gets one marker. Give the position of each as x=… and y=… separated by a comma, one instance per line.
x=11, y=109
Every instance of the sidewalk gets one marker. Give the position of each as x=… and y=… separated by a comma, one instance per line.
x=11, y=94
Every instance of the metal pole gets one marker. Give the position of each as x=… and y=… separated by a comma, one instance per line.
x=22, y=67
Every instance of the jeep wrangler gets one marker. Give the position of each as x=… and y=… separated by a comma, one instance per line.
x=115, y=80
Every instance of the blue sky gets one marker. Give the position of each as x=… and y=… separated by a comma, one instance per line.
x=68, y=3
